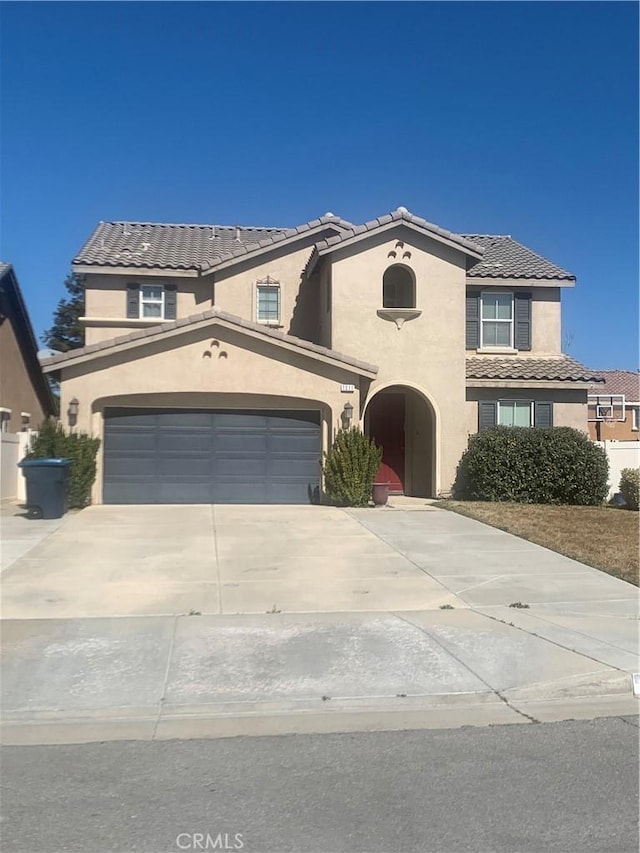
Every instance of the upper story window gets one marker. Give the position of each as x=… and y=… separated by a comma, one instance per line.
x=497, y=320
x=268, y=301
x=398, y=288
x=151, y=301
x=5, y=418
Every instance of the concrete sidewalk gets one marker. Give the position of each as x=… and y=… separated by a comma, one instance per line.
x=166, y=677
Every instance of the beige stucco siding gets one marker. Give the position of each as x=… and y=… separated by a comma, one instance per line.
x=235, y=289
x=546, y=331
x=426, y=353
x=106, y=297
x=218, y=368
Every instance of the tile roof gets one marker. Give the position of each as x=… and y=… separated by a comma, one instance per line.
x=212, y=314
x=504, y=257
x=198, y=247
x=147, y=245
x=559, y=368
x=625, y=382
x=399, y=215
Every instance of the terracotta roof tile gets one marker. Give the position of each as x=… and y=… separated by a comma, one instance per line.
x=202, y=247
x=504, y=257
x=625, y=382
x=560, y=368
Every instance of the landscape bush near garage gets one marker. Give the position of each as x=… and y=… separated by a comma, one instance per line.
x=52, y=442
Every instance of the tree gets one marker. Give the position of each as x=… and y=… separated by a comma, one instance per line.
x=66, y=332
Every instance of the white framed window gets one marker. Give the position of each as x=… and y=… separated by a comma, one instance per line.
x=496, y=323
x=635, y=412
x=5, y=417
x=517, y=413
x=268, y=302
x=152, y=301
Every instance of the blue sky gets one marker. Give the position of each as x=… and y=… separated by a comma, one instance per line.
x=508, y=118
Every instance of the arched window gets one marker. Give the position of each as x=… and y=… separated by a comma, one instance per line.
x=398, y=288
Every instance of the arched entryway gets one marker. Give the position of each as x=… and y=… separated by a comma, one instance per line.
x=402, y=421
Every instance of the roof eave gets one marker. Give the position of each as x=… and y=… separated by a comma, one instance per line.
x=112, y=269
x=519, y=281
x=527, y=383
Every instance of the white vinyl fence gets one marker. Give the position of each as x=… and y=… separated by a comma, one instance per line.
x=13, y=447
x=621, y=454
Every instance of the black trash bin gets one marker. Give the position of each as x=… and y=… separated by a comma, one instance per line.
x=47, y=486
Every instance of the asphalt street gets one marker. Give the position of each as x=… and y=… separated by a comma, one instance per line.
x=570, y=786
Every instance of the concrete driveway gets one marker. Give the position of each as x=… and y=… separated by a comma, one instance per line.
x=302, y=619
x=167, y=560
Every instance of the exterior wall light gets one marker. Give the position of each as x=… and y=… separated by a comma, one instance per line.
x=347, y=415
x=72, y=411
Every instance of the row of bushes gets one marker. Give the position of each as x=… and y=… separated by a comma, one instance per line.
x=82, y=449
x=553, y=465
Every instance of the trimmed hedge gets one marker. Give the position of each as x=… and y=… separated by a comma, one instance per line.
x=350, y=468
x=551, y=465
x=630, y=486
x=52, y=442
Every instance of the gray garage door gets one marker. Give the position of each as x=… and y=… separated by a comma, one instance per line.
x=194, y=456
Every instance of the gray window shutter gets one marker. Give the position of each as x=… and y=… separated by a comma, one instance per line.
x=170, y=295
x=133, y=301
x=487, y=414
x=522, y=311
x=543, y=414
x=473, y=321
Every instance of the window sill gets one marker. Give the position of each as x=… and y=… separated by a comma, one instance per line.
x=497, y=351
x=399, y=316
x=270, y=324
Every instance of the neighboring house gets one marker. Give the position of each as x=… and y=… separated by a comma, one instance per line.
x=220, y=361
x=614, y=406
x=25, y=395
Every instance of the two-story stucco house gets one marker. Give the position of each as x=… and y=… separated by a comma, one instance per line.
x=220, y=361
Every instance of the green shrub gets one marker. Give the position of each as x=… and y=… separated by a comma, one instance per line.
x=630, y=486
x=53, y=442
x=350, y=468
x=553, y=465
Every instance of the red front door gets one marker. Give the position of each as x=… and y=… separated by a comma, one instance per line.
x=386, y=419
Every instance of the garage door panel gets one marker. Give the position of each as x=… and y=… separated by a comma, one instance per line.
x=198, y=443
x=175, y=456
x=184, y=468
x=241, y=442
x=244, y=469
